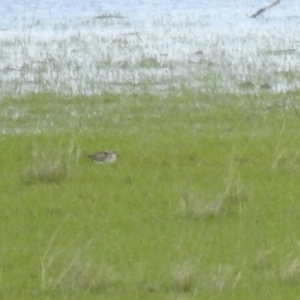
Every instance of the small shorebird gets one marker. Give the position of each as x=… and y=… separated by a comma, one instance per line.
x=103, y=157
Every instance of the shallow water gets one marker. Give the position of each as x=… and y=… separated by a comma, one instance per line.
x=88, y=46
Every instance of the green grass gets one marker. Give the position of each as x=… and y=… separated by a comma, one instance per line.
x=203, y=202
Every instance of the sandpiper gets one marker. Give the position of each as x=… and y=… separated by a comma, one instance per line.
x=102, y=157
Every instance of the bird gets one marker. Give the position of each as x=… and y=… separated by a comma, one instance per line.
x=103, y=157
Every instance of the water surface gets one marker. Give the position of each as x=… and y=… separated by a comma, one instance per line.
x=90, y=46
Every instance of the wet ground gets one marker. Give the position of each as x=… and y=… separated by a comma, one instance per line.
x=77, y=47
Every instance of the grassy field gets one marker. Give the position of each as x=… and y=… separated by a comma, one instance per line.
x=203, y=202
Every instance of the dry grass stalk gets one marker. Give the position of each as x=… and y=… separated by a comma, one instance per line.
x=183, y=278
x=291, y=271
x=50, y=167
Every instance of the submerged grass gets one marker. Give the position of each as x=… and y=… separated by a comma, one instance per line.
x=168, y=50
x=201, y=204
